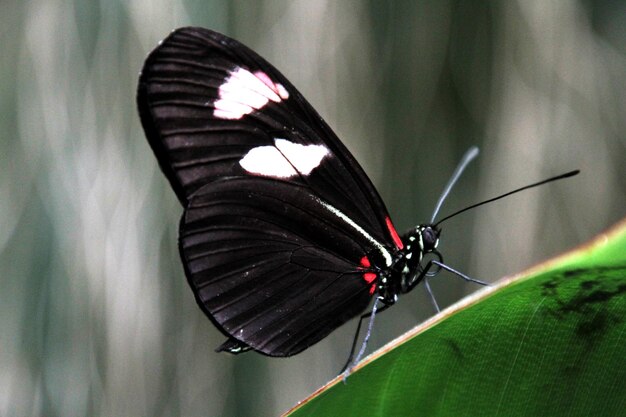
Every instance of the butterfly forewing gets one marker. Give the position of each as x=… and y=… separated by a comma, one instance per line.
x=279, y=217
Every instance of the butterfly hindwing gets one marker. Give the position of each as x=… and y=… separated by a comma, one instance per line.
x=261, y=266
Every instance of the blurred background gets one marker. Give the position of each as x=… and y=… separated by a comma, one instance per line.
x=96, y=318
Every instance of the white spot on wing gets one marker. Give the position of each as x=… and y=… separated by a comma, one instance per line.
x=304, y=158
x=283, y=160
x=267, y=161
x=243, y=92
x=282, y=91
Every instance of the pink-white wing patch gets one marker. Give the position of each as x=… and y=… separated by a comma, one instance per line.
x=283, y=160
x=243, y=92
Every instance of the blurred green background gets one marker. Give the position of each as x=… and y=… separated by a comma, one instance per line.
x=96, y=318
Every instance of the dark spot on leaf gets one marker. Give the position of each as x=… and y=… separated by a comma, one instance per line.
x=588, y=284
x=456, y=349
x=572, y=273
x=587, y=329
x=549, y=288
x=585, y=302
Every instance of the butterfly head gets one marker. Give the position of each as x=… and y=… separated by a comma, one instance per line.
x=429, y=237
x=421, y=240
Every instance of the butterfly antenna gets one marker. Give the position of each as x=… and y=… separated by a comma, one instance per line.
x=558, y=177
x=469, y=156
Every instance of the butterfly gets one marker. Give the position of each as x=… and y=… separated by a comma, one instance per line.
x=283, y=236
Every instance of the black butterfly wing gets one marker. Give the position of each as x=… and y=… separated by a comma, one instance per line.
x=272, y=267
x=225, y=124
x=197, y=140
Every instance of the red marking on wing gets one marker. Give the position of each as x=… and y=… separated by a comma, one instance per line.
x=394, y=234
x=369, y=277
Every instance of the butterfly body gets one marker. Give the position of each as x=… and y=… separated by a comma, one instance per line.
x=283, y=236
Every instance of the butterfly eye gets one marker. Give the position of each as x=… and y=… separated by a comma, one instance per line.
x=430, y=238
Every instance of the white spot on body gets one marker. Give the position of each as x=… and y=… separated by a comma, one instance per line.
x=283, y=160
x=243, y=92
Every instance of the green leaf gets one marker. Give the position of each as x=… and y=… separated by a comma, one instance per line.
x=548, y=342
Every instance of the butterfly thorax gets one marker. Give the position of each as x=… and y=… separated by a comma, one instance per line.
x=418, y=242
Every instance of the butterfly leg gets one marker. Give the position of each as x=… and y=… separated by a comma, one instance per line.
x=351, y=360
x=431, y=295
x=460, y=274
x=425, y=274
